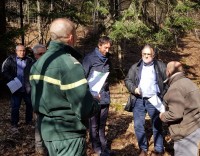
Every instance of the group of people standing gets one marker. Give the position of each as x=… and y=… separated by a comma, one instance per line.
x=180, y=96
x=64, y=105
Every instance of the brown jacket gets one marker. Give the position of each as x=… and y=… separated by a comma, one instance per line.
x=183, y=103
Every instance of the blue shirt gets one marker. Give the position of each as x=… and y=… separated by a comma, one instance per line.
x=148, y=83
x=21, y=64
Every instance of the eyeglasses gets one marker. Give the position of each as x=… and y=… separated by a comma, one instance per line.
x=146, y=54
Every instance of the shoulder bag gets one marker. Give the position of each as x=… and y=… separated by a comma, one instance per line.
x=129, y=105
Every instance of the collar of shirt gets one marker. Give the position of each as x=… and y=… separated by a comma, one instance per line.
x=148, y=64
x=18, y=58
x=102, y=57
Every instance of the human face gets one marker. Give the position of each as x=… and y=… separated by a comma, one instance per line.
x=40, y=52
x=147, y=55
x=104, y=48
x=20, y=51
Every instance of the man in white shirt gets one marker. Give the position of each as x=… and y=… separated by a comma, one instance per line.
x=144, y=80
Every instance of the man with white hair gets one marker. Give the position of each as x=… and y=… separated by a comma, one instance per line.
x=38, y=51
x=183, y=111
x=60, y=94
x=144, y=80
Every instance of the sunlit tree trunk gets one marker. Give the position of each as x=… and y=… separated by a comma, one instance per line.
x=27, y=11
x=39, y=20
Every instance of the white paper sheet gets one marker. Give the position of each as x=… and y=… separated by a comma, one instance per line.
x=155, y=100
x=96, y=81
x=14, y=85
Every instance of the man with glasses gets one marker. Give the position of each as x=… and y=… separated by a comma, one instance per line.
x=144, y=80
x=38, y=51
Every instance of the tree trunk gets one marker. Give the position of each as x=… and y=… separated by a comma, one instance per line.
x=39, y=20
x=116, y=9
x=2, y=29
x=2, y=18
x=28, y=11
x=51, y=8
x=95, y=15
x=21, y=21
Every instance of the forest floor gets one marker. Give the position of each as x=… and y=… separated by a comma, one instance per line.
x=120, y=134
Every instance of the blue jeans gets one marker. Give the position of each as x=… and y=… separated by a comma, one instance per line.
x=139, y=112
x=16, y=100
x=97, y=129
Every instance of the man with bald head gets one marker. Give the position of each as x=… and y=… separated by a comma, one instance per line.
x=60, y=94
x=183, y=111
x=63, y=31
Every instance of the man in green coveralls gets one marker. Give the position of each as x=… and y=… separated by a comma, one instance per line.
x=60, y=94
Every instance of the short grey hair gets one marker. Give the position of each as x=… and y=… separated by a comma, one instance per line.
x=147, y=46
x=19, y=45
x=35, y=48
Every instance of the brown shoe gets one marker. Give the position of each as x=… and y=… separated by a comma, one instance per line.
x=143, y=153
x=156, y=154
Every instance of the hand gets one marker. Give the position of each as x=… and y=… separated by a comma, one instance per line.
x=137, y=91
x=97, y=96
x=160, y=115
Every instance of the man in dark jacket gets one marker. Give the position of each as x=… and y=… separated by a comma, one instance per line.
x=98, y=61
x=183, y=114
x=60, y=94
x=144, y=80
x=38, y=51
x=13, y=68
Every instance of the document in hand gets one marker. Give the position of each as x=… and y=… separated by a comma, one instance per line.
x=14, y=85
x=96, y=81
x=156, y=102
